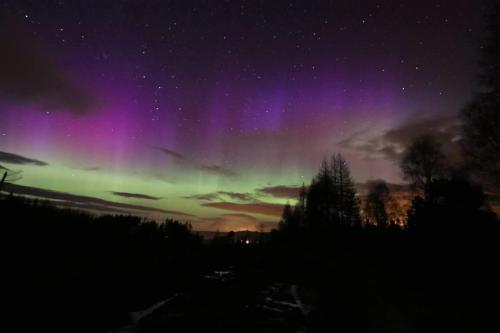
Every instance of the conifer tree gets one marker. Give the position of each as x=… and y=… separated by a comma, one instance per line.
x=346, y=205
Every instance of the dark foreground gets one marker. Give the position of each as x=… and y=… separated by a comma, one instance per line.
x=70, y=272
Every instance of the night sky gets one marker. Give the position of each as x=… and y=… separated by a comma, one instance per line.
x=214, y=111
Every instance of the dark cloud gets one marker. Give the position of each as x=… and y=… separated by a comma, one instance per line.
x=255, y=208
x=214, y=169
x=371, y=146
x=28, y=76
x=218, y=170
x=237, y=195
x=74, y=199
x=92, y=169
x=18, y=159
x=204, y=197
x=87, y=206
x=281, y=191
x=172, y=153
x=292, y=192
x=391, y=144
x=220, y=195
x=136, y=195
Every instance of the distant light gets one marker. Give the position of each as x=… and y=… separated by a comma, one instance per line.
x=247, y=242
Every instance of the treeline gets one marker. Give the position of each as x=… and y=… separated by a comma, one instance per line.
x=329, y=201
x=445, y=199
x=73, y=271
x=434, y=262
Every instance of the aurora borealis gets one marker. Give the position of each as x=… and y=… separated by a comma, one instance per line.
x=215, y=111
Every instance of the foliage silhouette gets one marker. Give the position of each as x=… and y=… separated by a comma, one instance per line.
x=74, y=271
x=377, y=200
x=423, y=162
x=329, y=202
x=452, y=206
x=481, y=117
x=8, y=176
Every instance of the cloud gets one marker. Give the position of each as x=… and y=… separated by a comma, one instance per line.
x=235, y=222
x=214, y=169
x=172, y=153
x=372, y=146
x=136, y=195
x=87, y=206
x=74, y=199
x=28, y=76
x=92, y=169
x=220, y=195
x=281, y=191
x=292, y=192
x=204, y=197
x=392, y=143
x=218, y=170
x=237, y=195
x=18, y=159
x=261, y=208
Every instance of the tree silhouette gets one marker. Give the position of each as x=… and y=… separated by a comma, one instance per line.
x=58, y=253
x=423, y=162
x=481, y=141
x=3, y=179
x=321, y=199
x=287, y=222
x=377, y=200
x=8, y=176
x=452, y=206
x=293, y=219
x=347, y=204
x=329, y=201
x=490, y=51
x=481, y=117
x=300, y=208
